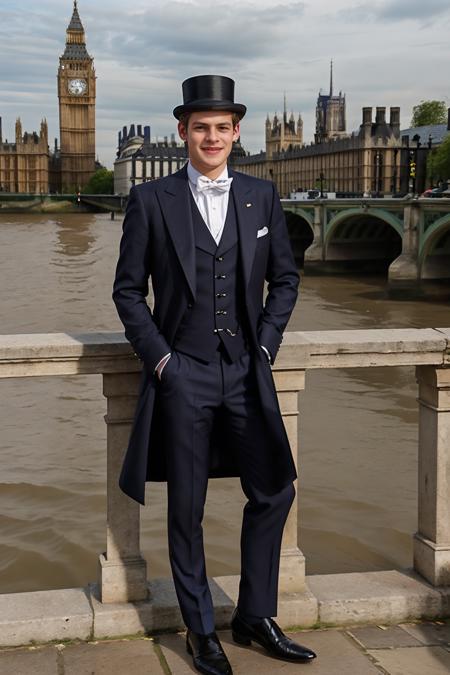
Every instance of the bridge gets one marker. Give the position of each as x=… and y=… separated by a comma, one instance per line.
x=411, y=235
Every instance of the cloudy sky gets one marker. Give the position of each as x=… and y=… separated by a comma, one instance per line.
x=385, y=52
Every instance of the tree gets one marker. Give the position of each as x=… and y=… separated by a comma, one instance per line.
x=438, y=163
x=101, y=183
x=429, y=112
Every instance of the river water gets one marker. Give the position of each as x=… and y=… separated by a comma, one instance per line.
x=358, y=464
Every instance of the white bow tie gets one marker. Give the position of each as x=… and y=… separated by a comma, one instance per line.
x=222, y=185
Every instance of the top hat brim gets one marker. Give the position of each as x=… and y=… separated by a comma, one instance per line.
x=208, y=104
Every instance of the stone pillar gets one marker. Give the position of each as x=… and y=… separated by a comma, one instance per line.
x=122, y=569
x=404, y=271
x=432, y=541
x=315, y=253
x=292, y=562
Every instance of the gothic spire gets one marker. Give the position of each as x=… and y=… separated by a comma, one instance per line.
x=75, y=40
x=75, y=22
x=284, y=108
x=331, y=78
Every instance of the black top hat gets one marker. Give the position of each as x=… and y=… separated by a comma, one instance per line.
x=209, y=92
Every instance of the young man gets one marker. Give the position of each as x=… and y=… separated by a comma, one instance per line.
x=209, y=237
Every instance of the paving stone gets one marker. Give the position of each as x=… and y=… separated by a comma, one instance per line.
x=174, y=651
x=413, y=661
x=34, y=660
x=112, y=658
x=384, y=597
x=336, y=656
x=374, y=637
x=429, y=633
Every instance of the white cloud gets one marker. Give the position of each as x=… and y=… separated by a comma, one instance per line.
x=400, y=10
x=388, y=53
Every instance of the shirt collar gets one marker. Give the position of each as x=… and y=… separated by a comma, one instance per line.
x=193, y=174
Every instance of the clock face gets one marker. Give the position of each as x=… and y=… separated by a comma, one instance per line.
x=77, y=87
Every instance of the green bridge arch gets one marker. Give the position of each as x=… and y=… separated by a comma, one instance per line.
x=433, y=233
x=345, y=214
x=297, y=211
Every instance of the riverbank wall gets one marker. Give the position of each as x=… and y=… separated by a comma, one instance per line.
x=10, y=203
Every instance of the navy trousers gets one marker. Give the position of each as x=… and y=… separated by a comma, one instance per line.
x=192, y=393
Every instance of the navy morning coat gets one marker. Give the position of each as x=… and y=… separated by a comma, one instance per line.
x=158, y=242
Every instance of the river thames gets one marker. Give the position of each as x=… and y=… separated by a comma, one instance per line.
x=358, y=437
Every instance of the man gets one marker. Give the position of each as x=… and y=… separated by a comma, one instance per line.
x=209, y=237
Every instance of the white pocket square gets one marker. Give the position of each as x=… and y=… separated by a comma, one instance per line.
x=262, y=232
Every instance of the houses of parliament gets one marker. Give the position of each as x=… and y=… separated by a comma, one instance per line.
x=27, y=165
x=376, y=159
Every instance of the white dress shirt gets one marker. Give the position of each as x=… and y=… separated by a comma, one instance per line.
x=212, y=203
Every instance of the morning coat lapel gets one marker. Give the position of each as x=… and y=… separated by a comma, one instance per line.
x=173, y=197
x=247, y=221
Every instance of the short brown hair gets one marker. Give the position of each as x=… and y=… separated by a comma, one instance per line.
x=184, y=118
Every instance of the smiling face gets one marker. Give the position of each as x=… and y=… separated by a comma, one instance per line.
x=209, y=136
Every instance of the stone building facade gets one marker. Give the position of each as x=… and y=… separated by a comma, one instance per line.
x=377, y=159
x=366, y=161
x=24, y=164
x=140, y=160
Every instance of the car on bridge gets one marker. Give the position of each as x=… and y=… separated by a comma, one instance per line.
x=437, y=192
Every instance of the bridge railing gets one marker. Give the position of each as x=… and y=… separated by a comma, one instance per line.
x=122, y=568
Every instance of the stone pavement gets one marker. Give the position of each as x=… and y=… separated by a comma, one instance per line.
x=406, y=649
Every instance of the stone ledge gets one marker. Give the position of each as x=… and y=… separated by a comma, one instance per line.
x=338, y=599
x=35, y=354
x=377, y=597
x=362, y=348
x=43, y=616
x=294, y=609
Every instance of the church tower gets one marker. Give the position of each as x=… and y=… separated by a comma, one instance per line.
x=76, y=93
x=283, y=135
x=330, y=115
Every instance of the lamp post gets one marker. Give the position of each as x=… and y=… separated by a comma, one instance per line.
x=321, y=179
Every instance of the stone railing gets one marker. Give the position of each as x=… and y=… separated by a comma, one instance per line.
x=122, y=569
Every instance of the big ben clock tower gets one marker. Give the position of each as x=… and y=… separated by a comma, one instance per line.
x=76, y=93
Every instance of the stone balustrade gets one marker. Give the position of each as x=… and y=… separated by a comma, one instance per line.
x=122, y=577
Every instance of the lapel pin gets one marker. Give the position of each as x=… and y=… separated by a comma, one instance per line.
x=248, y=205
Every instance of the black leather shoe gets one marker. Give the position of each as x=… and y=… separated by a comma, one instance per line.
x=270, y=636
x=207, y=653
